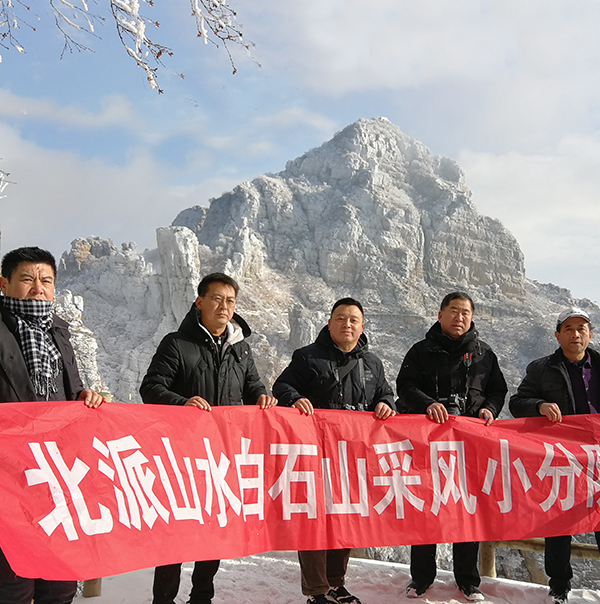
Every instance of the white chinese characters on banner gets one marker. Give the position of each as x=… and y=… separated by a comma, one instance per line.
x=400, y=479
x=506, y=504
x=569, y=471
x=61, y=516
x=164, y=487
x=450, y=468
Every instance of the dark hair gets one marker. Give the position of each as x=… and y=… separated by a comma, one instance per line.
x=456, y=296
x=348, y=302
x=12, y=259
x=217, y=278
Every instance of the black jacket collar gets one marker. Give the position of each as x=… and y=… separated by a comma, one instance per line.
x=439, y=341
x=191, y=326
x=324, y=339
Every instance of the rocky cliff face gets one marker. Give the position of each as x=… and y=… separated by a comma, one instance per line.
x=70, y=308
x=370, y=214
x=370, y=210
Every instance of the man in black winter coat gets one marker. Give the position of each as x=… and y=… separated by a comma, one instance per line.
x=565, y=383
x=37, y=363
x=337, y=371
x=206, y=362
x=452, y=372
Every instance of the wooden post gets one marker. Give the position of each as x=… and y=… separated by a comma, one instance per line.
x=359, y=552
x=487, y=558
x=92, y=588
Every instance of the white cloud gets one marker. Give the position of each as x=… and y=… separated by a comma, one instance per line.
x=58, y=196
x=260, y=149
x=352, y=45
x=149, y=122
x=200, y=194
x=550, y=203
x=347, y=45
x=263, y=134
x=297, y=117
x=516, y=74
x=222, y=142
x=116, y=111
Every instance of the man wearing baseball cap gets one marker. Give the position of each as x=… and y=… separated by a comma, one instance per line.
x=565, y=383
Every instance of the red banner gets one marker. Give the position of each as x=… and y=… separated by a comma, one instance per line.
x=97, y=492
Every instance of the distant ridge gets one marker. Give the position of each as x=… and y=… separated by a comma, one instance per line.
x=370, y=213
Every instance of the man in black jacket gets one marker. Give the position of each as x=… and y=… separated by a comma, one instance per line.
x=335, y=372
x=453, y=372
x=565, y=383
x=37, y=363
x=206, y=362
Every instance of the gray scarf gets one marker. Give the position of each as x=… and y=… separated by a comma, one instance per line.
x=42, y=357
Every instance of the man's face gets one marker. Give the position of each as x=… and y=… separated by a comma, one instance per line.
x=574, y=337
x=217, y=307
x=345, y=326
x=455, y=319
x=30, y=281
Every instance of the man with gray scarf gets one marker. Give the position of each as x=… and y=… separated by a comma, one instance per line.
x=37, y=363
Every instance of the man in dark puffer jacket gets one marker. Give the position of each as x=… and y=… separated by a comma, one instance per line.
x=335, y=372
x=565, y=383
x=206, y=362
x=453, y=372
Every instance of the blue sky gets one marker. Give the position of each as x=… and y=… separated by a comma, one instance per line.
x=509, y=89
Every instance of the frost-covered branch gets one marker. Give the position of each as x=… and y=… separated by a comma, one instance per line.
x=9, y=23
x=216, y=17
x=215, y=22
x=131, y=28
x=68, y=18
x=3, y=182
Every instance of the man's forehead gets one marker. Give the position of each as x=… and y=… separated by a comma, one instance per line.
x=221, y=288
x=347, y=309
x=576, y=322
x=33, y=269
x=459, y=303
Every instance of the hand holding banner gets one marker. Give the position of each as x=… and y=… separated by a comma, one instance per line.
x=96, y=492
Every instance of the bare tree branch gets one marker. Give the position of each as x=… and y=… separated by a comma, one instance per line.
x=4, y=182
x=215, y=22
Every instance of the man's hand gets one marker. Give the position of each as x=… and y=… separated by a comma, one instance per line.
x=383, y=411
x=304, y=405
x=266, y=402
x=197, y=401
x=90, y=398
x=551, y=411
x=437, y=412
x=487, y=415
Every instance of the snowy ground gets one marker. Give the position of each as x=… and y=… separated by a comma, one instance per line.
x=274, y=578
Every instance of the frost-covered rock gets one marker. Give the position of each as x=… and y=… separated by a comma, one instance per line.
x=124, y=307
x=371, y=209
x=370, y=214
x=191, y=218
x=70, y=308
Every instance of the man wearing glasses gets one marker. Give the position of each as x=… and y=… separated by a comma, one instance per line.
x=206, y=362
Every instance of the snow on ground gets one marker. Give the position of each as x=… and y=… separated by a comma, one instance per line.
x=274, y=578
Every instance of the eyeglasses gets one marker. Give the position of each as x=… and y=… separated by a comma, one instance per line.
x=221, y=300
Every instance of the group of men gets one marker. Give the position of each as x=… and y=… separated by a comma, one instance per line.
x=208, y=362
